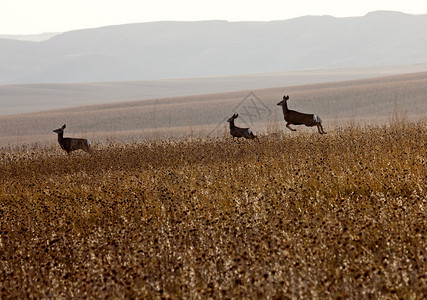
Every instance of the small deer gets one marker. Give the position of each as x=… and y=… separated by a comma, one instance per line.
x=71, y=144
x=293, y=117
x=238, y=132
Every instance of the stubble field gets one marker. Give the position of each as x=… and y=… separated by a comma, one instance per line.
x=299, y=215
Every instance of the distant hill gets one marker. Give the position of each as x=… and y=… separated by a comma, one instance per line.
x=30, y=37
x=215, y=48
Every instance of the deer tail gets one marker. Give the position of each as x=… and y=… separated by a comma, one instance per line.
x=317, y=119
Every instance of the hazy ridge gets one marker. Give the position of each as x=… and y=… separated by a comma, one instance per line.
x=30, y=37
x=215, y=48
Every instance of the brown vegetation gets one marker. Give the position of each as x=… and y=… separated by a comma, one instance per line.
x=302, y=216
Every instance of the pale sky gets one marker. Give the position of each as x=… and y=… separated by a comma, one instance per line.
x=41, y=16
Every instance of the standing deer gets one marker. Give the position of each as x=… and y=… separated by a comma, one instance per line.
x=240, y=132
x=296, y=118
x=71, y=144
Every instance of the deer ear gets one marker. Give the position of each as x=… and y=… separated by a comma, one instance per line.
x=63, y=126
x=237, y=115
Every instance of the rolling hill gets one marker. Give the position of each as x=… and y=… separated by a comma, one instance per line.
x=366, y=101
x=162, y=50
x=27, y=98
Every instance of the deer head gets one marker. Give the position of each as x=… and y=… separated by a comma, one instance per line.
x=233, y=118
x=283, y=102
x=60, y=130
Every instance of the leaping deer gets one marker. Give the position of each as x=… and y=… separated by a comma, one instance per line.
x=71, y=144
x=296, y=118
x=240, y=132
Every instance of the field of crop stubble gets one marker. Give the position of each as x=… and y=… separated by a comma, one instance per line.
x=293, y=216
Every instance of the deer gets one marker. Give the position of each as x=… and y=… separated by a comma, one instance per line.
x=293, y=117
x=71, y=144
x=238, y=132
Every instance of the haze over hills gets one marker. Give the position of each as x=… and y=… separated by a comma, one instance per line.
x=25, y=98
x=161, y=50
x=29, y=37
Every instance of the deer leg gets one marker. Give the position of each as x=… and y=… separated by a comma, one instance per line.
x=289, y=127
x=321, y=129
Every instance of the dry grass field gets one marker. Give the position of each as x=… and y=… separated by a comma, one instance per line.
x=341, y=215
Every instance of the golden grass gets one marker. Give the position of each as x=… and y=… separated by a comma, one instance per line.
x=295, y=216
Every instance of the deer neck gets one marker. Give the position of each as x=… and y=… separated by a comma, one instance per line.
x=285, y=108
x=232, y=125
x=60, y=137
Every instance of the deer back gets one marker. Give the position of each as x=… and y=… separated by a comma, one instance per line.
x=242, y=132
x=297, y=118
x=71, y=144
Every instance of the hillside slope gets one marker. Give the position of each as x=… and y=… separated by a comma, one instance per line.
x=28, y=98
x=378, y=100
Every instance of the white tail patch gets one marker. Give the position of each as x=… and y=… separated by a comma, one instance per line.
x=317, y=119
x=249, y=131
x=88, y=143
